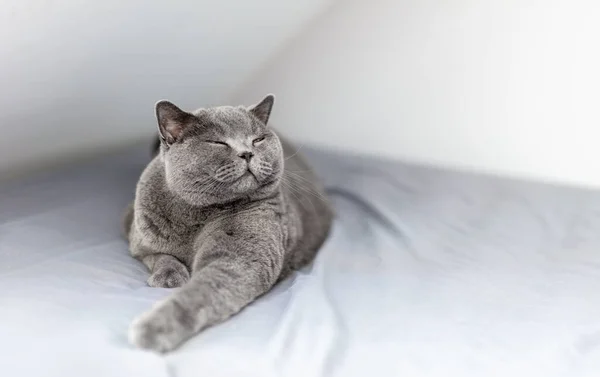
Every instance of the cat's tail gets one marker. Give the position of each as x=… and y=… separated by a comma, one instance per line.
x=127, y=221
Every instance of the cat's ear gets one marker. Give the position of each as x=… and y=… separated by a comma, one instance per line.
x=262, y=110
x=171, y=121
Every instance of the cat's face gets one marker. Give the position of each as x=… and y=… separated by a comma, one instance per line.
x=219, y=154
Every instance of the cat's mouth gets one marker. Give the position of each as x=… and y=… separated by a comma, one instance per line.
x=249, y=172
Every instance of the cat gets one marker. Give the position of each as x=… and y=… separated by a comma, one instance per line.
x=224, y=211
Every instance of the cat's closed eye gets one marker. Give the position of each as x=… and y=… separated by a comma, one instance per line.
x=220, y=143
x=258, y=140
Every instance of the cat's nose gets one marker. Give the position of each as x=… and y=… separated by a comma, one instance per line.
x=246, y=156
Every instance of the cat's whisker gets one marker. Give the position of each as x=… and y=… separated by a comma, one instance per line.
x=212, y=187
x=304, y=187
x=216, y=188
x=206, y=188
x=297, y=150
x=202, y=182
x=225, y=172
x=295, y=193
x=302, y=179
x=292, y=191
x=194, y=186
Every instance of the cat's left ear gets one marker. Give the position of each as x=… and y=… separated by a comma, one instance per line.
x=262, y=110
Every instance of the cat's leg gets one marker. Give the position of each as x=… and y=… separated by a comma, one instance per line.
x=238, y=270
x=167, y=271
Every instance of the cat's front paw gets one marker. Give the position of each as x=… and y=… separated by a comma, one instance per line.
x=169, y=277
x=161, y=329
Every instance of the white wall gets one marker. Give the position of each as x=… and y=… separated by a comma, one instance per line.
x=81, y=75
x=506, y=86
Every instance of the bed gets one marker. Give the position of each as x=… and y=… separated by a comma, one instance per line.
x=426, y=273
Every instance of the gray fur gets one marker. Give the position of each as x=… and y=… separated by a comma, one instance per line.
x=219, y=224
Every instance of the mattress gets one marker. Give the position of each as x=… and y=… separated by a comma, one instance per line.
x=426, y=273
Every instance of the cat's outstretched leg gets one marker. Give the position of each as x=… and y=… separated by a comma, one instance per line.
x=216, y=291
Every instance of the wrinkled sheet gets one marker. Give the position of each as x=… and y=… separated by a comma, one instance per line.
x=426, y=273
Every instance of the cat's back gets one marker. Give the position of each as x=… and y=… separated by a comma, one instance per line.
x=304, y=190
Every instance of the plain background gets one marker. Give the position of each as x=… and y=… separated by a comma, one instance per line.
x=503, y=86
x=82, y=76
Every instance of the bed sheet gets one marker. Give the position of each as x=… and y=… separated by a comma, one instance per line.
x=426, y=273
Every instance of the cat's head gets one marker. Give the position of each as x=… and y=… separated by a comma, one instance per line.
x=219, y=154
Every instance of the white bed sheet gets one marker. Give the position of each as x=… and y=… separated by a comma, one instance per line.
x=426, y=273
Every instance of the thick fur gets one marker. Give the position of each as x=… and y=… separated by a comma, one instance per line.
x=222, y=226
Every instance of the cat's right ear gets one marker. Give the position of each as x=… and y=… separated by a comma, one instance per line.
x=171, y=121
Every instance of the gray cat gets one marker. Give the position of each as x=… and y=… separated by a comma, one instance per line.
x=224, y=211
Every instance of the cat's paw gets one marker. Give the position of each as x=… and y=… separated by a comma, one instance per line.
x=169, y=277
x=160, y=329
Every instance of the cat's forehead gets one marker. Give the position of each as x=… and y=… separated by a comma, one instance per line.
x=228, y=120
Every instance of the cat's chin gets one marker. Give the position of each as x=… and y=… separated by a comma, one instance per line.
x=246, y=185
x=251, y=183
x=247, y=182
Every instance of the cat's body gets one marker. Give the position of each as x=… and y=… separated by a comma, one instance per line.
x=223, y=219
